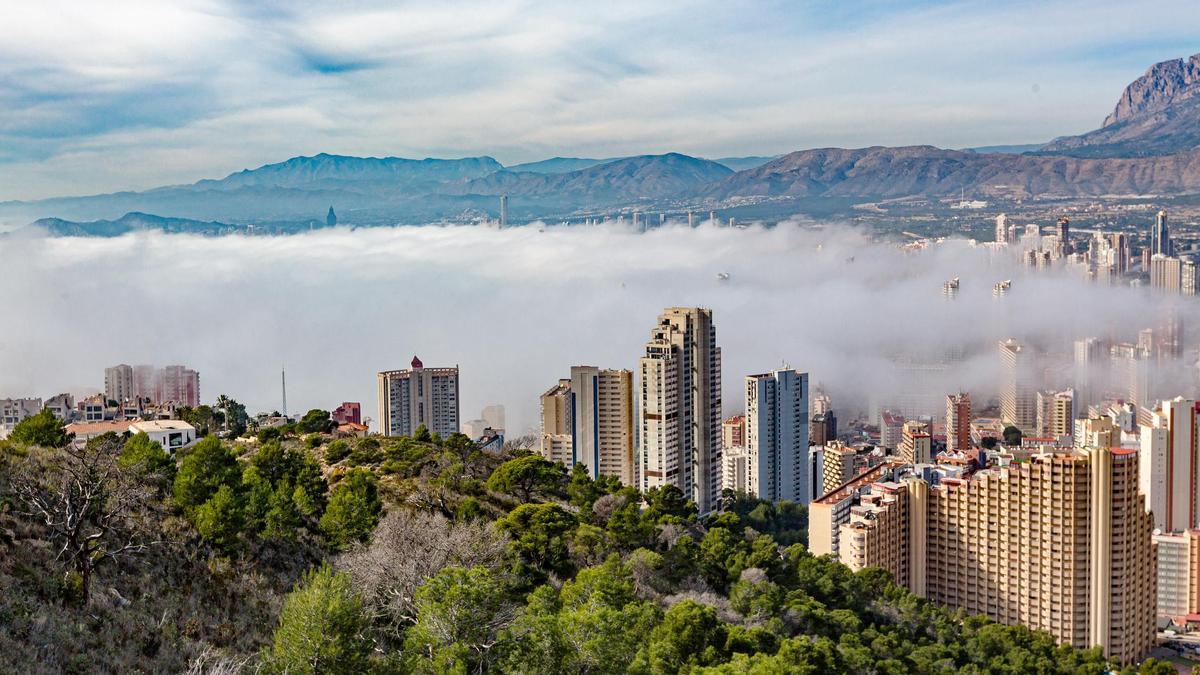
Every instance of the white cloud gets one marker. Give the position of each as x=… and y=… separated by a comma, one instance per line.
x=137, y=94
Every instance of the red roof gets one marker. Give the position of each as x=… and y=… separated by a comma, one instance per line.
x=416, y=363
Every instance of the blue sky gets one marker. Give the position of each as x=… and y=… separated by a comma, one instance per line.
x=98, y=97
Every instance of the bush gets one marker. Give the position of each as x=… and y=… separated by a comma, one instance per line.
x=337, y=451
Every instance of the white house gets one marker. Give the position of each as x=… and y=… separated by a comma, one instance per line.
x=171, y=434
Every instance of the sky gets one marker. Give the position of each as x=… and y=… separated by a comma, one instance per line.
x=516, y=308
x=132, y=94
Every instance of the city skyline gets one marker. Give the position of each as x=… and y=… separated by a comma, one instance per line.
x=153, y=99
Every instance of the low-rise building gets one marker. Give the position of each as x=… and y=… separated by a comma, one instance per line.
x=172, y=435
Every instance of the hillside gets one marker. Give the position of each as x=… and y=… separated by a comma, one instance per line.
x=427, y=555
x=880, y=172
x=620, y=181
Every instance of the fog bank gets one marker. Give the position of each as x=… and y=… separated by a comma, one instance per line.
x=515, y=308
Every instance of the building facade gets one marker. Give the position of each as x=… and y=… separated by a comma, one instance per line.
x=602, y=428
x=958, y=422
x=680, y=406
x=1059, y=542
x=1017, y=403
x=777, y=436
x=1169, y=471
x=418, y=396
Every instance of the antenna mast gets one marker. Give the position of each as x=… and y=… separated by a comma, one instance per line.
x=283, y=381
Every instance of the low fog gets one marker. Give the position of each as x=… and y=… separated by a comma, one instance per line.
x=515, y=308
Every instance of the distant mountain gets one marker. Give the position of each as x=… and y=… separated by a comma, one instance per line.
x=326, y=171
x=1007, y=149
x=621, y=181
x=133, y=222
x=879, y=172
x=1149, y=144
x=1158, y=114
x=557, y=165
x=743, y=163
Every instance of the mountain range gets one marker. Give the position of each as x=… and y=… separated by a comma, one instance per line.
x=1148, y=145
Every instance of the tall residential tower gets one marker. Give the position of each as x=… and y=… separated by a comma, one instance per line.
x=680, y=411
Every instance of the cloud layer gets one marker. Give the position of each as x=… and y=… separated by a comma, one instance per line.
x=133, y=94
x=516, y=308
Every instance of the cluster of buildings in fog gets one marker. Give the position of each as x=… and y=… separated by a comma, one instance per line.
x=1105, y=257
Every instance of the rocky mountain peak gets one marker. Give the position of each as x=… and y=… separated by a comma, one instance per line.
x=1163, y=85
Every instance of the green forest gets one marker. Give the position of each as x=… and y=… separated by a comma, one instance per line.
x=291, y=550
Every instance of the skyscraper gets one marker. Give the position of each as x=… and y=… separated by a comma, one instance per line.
x=1017, y=404
x=503, y=210
x=958, y=422
x=1160, y=236
x=680, y=412
x=1062, y=229
x=777, y=435
x=1088, y=372
x=418, y=396
x=118, y=383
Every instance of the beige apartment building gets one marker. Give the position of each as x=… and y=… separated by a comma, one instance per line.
x=1055, y=413
x=1060, y=543
x=1177, y=557
x=555, y=442
x=587, y=419
x=680, y=411
x=915, y=443
x=418, y=396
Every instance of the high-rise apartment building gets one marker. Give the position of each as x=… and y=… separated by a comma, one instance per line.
x=680, y=412
x=1018, y=406
x=556, y=439
x=179, y=385
x=602, y=421
x=915, y=443
x=1060, y=543
x=1097, y=432
x=1166, y=274
x=1088, y=373
x=118, y=383
x=1002, y=229
x=1062, y=231
x=418, y=396
x=733, y=432
x=1177, y=559
x=1170, y=467
x=777, y=435
x=958, y=422
x=838, y=463
x=1160, y=236
x=1055, y=413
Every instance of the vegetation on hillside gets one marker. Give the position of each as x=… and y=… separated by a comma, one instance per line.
x=299, y=552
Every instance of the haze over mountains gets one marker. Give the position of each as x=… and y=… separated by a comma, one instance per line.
x=1148, y=145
